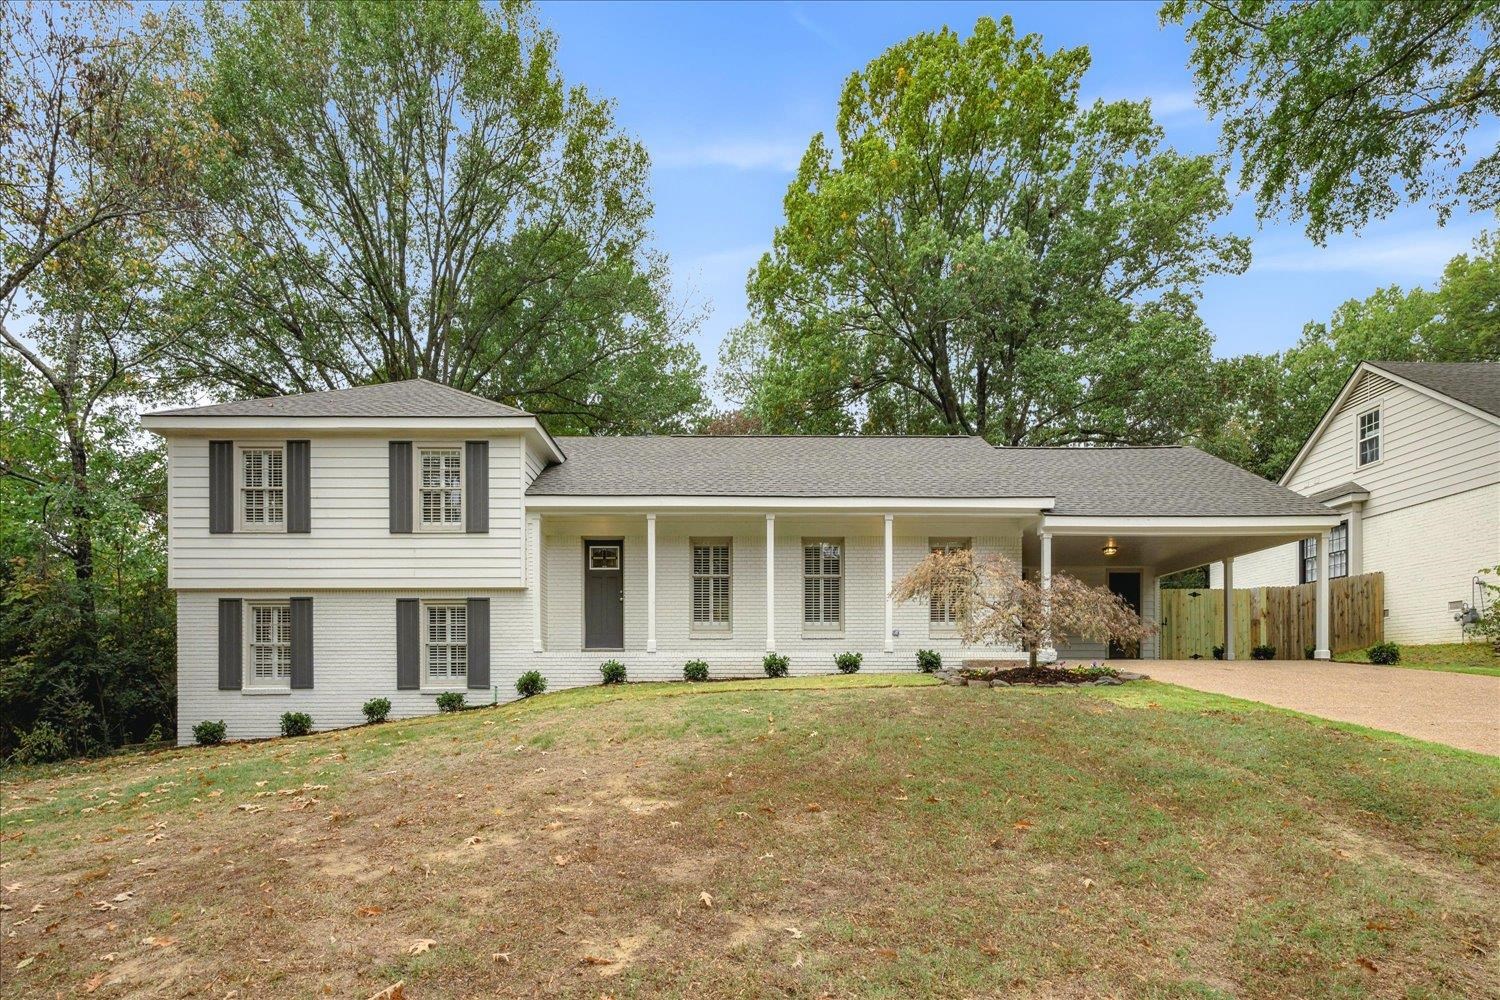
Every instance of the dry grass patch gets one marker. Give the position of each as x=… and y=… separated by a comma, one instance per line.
x=858, y=840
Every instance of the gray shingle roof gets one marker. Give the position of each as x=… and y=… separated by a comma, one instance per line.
x=1163, y=482
x=415, y=397
x=1474, y=382
x=1341, y=490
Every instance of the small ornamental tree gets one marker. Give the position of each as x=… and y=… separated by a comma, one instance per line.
x=993, y=603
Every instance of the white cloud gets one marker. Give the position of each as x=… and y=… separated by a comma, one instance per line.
x=738, y=154
x=815, y=29
x=1407, y=256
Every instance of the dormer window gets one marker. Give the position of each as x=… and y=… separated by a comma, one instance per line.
x=262, y=493
x=1367, y=437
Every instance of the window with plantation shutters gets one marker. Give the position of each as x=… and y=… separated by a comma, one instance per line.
x=268, y=662
x=823, y=583
x=440, y=489
x=262, y=480
x=711, y=584
x=941, y=614
x=445, y=644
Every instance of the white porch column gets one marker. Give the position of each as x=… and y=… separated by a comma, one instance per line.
x=890, y=607
x=650, y=583
x=534, y=577
x=770, y=583
x=1045, y=537
x=1322, y=651
x=1356, y=538
x=1229, y=650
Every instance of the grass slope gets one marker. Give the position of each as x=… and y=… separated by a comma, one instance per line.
x=1453, y=657
x=852, y=840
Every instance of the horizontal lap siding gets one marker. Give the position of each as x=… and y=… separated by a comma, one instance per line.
x=1097, y=576
x=350, y=544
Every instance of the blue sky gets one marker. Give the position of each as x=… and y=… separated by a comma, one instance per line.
x=725, y=96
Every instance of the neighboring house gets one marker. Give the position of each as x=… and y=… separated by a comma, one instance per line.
x=1408, y=456
x=405, y=539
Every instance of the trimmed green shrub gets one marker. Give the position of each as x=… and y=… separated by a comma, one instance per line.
x=296, y=724
x=376, y=709
x=1219, y=652
x=208, y=733
x=41, y=745
x=450, y=701
x=1263, y=652
x=1308, y=651
x=1385, y=652
x=613, y=672
x=848, y=663
x=530, y=683
x=929, y=661
x=776, y=665
x=695, y=670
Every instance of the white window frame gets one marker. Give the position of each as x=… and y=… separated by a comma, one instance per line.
x=715, y=628
x=945, y=626
x=274, y=683
x=240, y=523
x=452, y=681
x=416, y=487
x=821, y=628
x=1360, y=437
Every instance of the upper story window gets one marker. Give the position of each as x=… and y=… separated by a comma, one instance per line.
x=262, y=475
x=1367, y=437
x=440, y=488
x=445, y=644
x=270, y=642
x=942, y=614
x=823, y=583
x=711, y=584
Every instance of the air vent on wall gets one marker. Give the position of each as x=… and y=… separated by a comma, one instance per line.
x=1368, y=388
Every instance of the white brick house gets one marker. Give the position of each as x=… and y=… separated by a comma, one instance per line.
x=405, y=539
x=1408, y=456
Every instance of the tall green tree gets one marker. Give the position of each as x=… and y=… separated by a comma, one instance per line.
x=410, y=189
x=984, y=255
x=1273, y=402
x=1341, y=111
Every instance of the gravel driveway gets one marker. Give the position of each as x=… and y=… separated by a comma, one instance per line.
x=1461, y=710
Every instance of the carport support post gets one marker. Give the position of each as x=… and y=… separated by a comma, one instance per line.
x=1045, y=537
x=1322, y=650
x=1229, y=651
x=770, y=583
x=890, y=608
x=650, y=583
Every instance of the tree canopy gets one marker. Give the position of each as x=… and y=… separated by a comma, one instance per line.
x=411, y=189
x=1340, y=112
x=979, y=253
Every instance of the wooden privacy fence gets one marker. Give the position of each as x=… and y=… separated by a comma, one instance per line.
x=1284, y=617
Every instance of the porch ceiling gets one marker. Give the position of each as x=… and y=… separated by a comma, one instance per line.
x=1164, y=553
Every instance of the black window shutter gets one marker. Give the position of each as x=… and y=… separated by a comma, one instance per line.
x=477, y=484
x=231, y=640
x=408, y=644
x=479, y=643
x=400, y=487
x=221, y=487
x=302, y=642
x=298, y=486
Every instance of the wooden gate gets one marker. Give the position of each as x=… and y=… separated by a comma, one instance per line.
x=1284, y=617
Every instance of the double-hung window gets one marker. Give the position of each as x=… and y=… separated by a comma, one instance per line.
x=262, y=481
x=269, y=638
x=1338, y=555
x=942, y=616
x=445, y=644
x=711, y=584
x=823, y=584
x=1367, y=436
x=1307, y=560
x=440, y=488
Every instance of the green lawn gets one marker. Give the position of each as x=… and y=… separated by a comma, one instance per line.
x=867, y=836
x=1454, y=657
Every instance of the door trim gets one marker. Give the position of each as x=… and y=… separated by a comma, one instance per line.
x=583, y=596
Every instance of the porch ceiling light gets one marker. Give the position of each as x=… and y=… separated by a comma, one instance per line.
x=1110, y=548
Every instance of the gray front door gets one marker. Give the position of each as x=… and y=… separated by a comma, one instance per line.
x=603, y=594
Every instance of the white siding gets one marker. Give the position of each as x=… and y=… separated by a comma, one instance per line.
x=1433, y=517
x=350, y=545
x=1098, y=576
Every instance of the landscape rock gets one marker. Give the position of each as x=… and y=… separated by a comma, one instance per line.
x=974, y=683
x=1108, y=682
x=999, y=684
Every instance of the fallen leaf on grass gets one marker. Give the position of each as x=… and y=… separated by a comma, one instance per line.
x=560, y=860
x=93, y=982
x=988, y=949
x=473, y=842
x=795, y=933
x=25, y=962
x=102, y=906
x=1021, y=824
x=371, y=911
x=503, y=957
x=595, y=960
x=1367, y=964
x=813, y=807
x=418, y=947
x=1088, y=883
x=123, y=896
x=705, y=900
x=395, y=991
x=159, y=942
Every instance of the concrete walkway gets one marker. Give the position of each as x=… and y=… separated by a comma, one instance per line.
x=1461, y=710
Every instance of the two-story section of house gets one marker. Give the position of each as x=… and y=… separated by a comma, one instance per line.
x=1408, y=456
x=405, y=540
